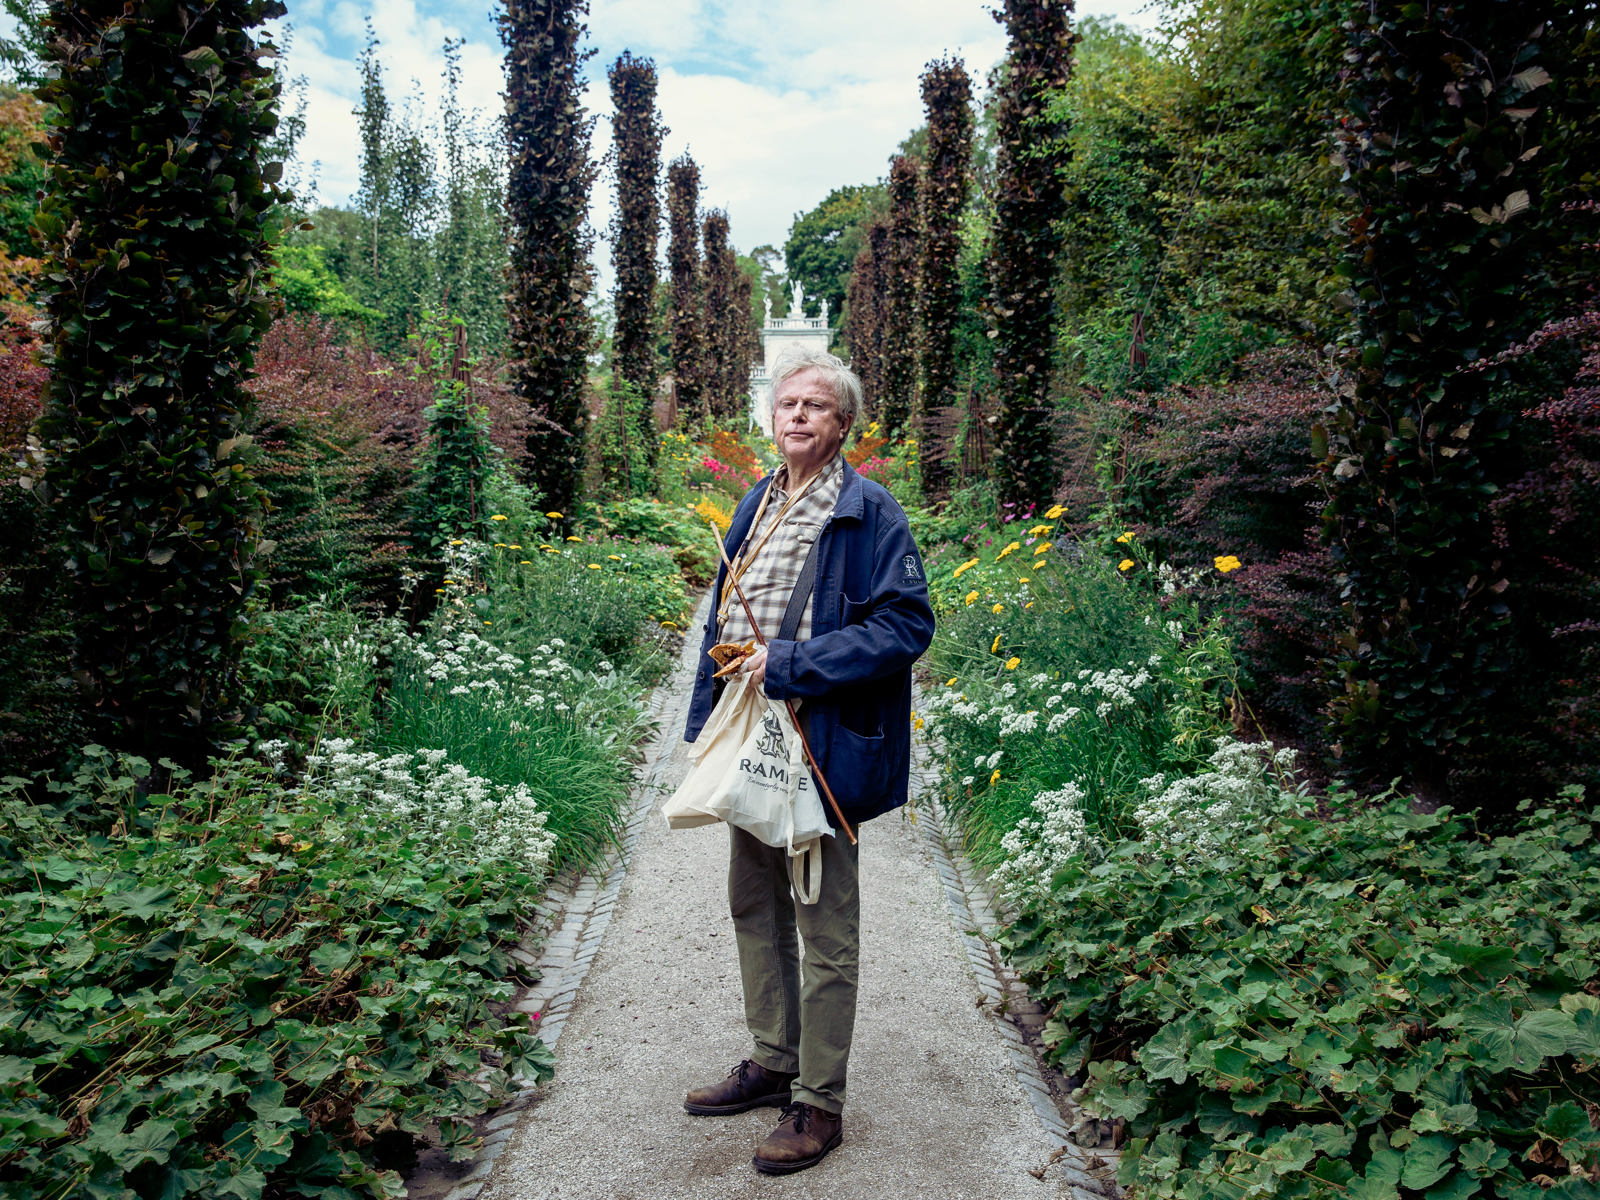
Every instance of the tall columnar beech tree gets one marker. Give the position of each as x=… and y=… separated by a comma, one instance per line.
x=683, y=259
x=156, y=224
x=638, y=132
x=1447, y=262
x=1029, y=203
x=727, y=323
x=547, y=201
x=947, y=97
x=864, y=301
x=902, y=256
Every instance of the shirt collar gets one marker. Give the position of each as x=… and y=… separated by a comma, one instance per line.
x=780, y=479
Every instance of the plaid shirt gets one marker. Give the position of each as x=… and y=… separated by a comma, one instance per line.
x=770, y=581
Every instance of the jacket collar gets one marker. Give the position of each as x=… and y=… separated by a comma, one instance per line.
x=851, y=502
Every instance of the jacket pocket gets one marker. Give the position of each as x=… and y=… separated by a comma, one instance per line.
x=853, y=612
x=858, y=767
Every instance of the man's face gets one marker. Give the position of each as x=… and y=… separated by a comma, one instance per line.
x=806, y=422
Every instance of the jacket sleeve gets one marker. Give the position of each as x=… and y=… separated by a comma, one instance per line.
x=880, y=635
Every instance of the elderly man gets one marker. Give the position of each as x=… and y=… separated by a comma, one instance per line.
x=863, y=619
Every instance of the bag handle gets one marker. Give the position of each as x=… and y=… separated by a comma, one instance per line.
x=801, y=596
x=805, y=871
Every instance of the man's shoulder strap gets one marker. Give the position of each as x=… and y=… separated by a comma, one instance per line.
x=801, y=596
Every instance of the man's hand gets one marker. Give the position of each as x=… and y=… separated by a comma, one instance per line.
x=755, y=667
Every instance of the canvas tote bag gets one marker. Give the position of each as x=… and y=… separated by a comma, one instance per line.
x=749, y=769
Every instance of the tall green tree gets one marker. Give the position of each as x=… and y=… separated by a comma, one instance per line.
x=1455, y=232
x=638, y=131
x=947, y=98
x=898, y=319
x=547, y=201
x=156, y=224
x=1025, y=239
x=689, y=388
x=824, y=242
x=469, y=248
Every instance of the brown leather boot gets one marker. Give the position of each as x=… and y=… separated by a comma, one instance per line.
x=749, y=1085
x=804, y=1135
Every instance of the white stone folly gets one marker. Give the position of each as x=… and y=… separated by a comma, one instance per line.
x=796, y=331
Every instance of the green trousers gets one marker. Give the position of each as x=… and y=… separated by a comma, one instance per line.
x=801, y=1017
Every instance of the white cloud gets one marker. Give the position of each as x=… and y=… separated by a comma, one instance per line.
x=778, y=103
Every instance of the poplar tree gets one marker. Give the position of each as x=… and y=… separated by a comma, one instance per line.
x=728, y=322
x=902, y=256
x=864, y=299
x=156, y=225
x=947, y=98
x=1029, y=204
x=637, y=130
x=547, y=201
x=683, y=259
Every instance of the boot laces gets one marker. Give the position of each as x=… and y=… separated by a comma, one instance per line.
x=799, y=1112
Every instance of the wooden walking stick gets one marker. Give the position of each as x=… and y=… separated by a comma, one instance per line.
x=805, y=742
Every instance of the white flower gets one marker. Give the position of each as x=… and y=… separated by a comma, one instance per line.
x=1202, y=813
x=1042, y=844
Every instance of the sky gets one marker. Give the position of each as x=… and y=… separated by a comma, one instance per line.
x=778, y=103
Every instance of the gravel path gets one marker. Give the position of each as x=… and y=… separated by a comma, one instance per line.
x=647, y=1006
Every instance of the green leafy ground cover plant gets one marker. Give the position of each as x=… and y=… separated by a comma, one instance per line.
x=1377, y=1005
x=239, y=990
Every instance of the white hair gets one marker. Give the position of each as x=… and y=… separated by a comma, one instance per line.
x=846, y=384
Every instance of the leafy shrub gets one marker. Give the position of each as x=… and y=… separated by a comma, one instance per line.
x=1060, y=676
x=531, y=721
x=238, y=988
x=1381, y=1004
x=677, y=528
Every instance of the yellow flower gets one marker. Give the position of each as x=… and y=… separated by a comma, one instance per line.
x=573, y=538
x=594, y=566
x=526, y=563
x=1127, y=537
x=614, y=557
x=1022, y=579
x=1227, y=562
x=995, y=649
x=917, y=724
x=449, y=580
x=1039, y=566
x=994, y=777
x=669, y=624
x=554, y=516
x=1027, y=606
x=1044, y=549
x=499, y=545
x=436, y=591
x=515, y=546
x=488, y=622
x=951, y=682
x=457, y=542
x=1013, y=663
x=998, y=608
x=966, y=566
x=1054, y=511
x=1010, y=548
x=1125, y=564
x=971, y=596
x=499, y=517
x=1040, y=530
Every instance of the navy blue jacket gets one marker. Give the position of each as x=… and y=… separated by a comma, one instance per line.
x=870, y=620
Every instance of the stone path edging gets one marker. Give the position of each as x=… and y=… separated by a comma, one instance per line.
x=1016, y=1016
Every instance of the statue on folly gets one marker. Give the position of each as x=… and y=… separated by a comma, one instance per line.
x=797, y=300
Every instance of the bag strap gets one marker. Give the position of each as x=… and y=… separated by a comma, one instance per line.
x=801, y=596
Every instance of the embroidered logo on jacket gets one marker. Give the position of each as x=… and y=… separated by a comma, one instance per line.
x=913, y=571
